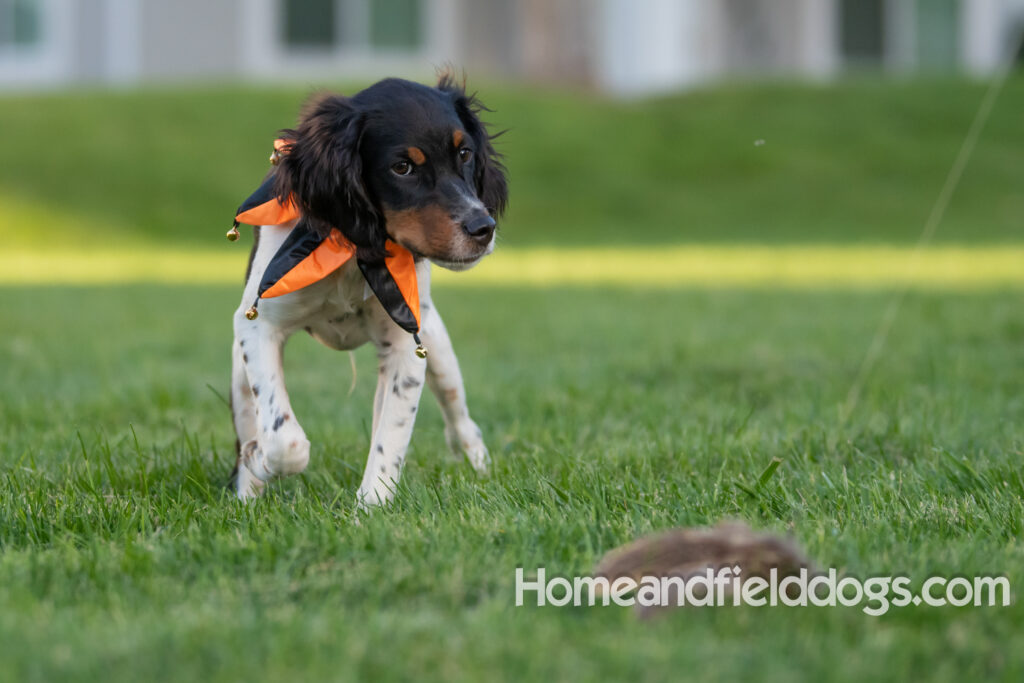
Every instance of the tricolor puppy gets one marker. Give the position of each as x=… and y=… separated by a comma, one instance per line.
x=366, y=192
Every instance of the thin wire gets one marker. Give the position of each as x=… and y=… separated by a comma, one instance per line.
x=352, y=363
x=928, y=232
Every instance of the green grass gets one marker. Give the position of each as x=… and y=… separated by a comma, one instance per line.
x=609, y=414
x=611, y=409
x=861, y=162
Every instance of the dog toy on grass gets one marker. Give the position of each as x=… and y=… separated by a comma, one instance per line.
x=691, y=552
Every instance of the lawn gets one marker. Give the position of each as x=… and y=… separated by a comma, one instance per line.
x=858, y=163
x=613, y=405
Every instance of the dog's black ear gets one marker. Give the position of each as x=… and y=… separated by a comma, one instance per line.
x=322, y=169
x=491, y=184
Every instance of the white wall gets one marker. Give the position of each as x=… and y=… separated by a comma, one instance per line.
x=649, y=46
x=654, y=45
x=818, y=47
x=982, y=41
x=190, y=38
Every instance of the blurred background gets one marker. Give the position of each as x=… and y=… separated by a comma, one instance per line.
x=666, y=144
x=651, y=121
x=616, y=46
x=781, y=149
x=669, y=142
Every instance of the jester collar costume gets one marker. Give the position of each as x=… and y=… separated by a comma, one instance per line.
x=306, y=257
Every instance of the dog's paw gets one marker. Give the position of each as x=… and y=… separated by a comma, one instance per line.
x=479, y=457
x=244, y=483
x=465, y=439
x=374, y=495
x=284, y=453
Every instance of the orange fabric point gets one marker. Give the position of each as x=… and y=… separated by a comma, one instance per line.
x=332, y=253
x=270, y=213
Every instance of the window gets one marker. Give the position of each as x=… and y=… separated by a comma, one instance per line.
x=20, y=23
x=309, y=23
x=937, y=33
x=862, y=31
x=395, y=24
x=391, y=25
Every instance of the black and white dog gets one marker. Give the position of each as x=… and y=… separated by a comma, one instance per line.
x=398, y=167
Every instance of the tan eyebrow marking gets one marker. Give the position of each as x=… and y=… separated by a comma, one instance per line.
x=416, y=155
x=457, y=138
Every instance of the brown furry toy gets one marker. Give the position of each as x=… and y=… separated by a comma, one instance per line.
x=690, y=552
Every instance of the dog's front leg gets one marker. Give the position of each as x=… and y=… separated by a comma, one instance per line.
x=399, y=385
x=280, y=446
x=445, y=380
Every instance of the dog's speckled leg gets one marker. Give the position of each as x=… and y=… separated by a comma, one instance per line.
x=399, y=385
x=445, y=380
x=281, y=447
x=243, y=414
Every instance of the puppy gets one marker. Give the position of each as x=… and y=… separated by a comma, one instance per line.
x=366, y=193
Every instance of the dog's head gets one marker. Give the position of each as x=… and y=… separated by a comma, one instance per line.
x=399, y=160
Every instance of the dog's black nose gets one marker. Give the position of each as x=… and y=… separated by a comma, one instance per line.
x=480, y=228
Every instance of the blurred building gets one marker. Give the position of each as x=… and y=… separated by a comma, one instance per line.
x=621, y=46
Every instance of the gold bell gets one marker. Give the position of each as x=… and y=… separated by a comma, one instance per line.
x=275, y=157
x=232, y=234
x=421, y=351
x=252, y=313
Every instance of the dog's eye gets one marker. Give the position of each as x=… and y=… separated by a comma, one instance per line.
x=402, y=168
x=465, y=155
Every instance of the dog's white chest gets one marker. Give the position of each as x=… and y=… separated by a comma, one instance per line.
x=346, y=312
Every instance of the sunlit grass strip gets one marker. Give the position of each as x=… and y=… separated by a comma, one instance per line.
x=704, y=266
x=747, y=265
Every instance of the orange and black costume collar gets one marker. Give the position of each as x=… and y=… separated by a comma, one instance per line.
x=306, y=257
